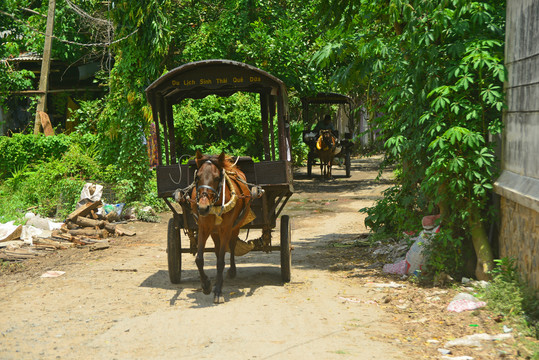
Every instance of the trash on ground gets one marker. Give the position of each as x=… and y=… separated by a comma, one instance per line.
x=355, y=300
x=52, y=274
x=9, y=231
x=475, y=340
x=386, y=285
x=463, y=302
x=84, y=226
x=90, y=193
x=507, y=329
x=415, y=257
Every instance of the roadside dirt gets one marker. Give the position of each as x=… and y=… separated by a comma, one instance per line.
x=118, y=303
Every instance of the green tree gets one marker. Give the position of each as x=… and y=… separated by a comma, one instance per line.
x=436, y=70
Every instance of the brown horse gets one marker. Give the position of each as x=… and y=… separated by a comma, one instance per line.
x=326, y=147
x=222, y=206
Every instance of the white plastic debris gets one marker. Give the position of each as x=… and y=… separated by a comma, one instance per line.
x=52, y=274
x=463, y=302
x=475, y=339
x=90, y=192
x=9, y=231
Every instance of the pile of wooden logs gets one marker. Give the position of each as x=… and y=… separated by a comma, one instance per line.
x=84, y=226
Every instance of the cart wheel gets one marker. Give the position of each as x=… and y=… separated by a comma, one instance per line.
x=286, y=257
x=347, y=163
x=174, y=253
x=310, y=160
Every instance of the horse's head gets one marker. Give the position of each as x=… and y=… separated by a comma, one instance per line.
x=327, y=138
x=208, y=181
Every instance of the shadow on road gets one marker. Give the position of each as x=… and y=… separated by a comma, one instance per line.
x=340, y=183
x=248, y=279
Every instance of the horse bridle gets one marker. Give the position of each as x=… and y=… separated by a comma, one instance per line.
x=205, y=194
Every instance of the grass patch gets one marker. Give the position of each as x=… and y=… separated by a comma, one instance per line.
x=509, y=296
x=8, y=267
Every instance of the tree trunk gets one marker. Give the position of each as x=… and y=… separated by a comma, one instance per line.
x=485, y=261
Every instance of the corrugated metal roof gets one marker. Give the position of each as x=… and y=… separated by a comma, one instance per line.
x=29, y=56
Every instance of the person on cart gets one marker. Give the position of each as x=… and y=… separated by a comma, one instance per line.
x=324, y=124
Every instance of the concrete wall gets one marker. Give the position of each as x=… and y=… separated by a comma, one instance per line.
x=518, y=184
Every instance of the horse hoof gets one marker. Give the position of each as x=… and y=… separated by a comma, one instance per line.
x=206, y=287
x=218, y=299
x=231, y=273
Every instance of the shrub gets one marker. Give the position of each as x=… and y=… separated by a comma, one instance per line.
x=20, y=150
x=51, y=188
x=511, y=297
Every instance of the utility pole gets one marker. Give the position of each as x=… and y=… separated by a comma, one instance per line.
x=45, y=66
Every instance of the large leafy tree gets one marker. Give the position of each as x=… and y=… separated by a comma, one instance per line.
x=434, y=69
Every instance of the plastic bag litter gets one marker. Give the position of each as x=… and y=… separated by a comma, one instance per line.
x=29, y=233
x=52, y=274
x=90, y=192
x=9, y=231
x=463, y=302
x=415, y=258
x=41, y=223
x=400, y=267
x=117, y=208
x=474, y=340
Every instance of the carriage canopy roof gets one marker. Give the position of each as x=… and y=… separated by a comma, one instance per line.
x=220, y=77
x=199, y=79
x=327, y=98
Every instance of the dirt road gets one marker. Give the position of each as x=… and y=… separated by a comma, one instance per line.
x=118, y=303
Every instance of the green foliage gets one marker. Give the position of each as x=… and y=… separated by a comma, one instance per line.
x=12, y=80
x=389, y=215
x=86, y=117
x=445, y=252
x=53, y=186
x=7, y=267
x=463, y=165
x=20, y=150
x=300, y=150
x=434, y=70
x=508, y=295
x=126, y=116
x=214, y=124
x=281, y=41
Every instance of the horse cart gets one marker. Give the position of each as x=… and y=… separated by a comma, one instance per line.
x=314, y=109
x=270, y=178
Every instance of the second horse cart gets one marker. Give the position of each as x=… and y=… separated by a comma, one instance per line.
x=314, y=110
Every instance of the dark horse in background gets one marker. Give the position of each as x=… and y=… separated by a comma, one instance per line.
x=326, y=148
x=222, y=207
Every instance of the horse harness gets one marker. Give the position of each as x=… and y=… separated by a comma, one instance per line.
x=323, y=145
x=225, y=179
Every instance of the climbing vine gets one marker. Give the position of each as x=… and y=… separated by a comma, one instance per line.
x=124, y=122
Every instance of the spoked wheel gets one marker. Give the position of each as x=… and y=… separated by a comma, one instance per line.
x=347, y=163
x=310, y=160
x=174, y=251
x=286, y=256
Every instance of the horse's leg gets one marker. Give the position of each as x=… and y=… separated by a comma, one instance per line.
x=199, y=260
x=231, y=273
x=217, y=290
